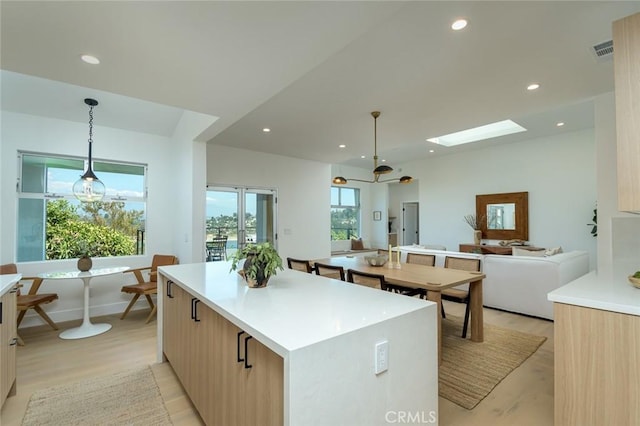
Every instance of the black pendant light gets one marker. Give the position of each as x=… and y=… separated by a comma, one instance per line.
x=378, y=170
x=89, y=188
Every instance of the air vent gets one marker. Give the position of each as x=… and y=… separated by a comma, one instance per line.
x=603, y=51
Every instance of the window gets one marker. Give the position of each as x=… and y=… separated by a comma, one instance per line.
x=53, y=224
x=345, y=213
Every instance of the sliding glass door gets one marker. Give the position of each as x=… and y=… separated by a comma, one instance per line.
x=244, y=215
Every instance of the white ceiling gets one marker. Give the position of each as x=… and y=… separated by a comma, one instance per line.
x=312, y=71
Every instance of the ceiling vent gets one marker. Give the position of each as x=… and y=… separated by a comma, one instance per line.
x=603, y=51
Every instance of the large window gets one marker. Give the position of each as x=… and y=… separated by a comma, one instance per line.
x=345, y=213
x=53, y=224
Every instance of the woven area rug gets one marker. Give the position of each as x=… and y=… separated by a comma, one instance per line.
x=471, y=370
x=128, y=398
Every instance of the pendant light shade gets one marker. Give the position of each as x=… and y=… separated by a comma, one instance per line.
x=89, y=188
x=378, y=170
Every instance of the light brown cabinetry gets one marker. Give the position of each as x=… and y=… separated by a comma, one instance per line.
x=626, y=44
x=231, y=378
x=597, y=367
x=9, y=340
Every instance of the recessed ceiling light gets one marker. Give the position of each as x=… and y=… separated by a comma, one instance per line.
x=488, y=131
x=459, y=24
x=560, y=123
x=432, y=150
x=90, y=59
x=342, y=146
x=533, y=86
x=266, y=130
x=363, y=156
x=384, y=161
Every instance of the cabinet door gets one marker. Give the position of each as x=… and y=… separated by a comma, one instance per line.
x=263, y=386
x=8, y=335
x=205, y=364
x=175, y=320
x=626, y=39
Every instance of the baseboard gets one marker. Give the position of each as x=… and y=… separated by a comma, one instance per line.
x=32, y=319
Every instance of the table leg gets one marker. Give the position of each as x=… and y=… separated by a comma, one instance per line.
x=436, y=296
x=477, y=317
x=87, y=329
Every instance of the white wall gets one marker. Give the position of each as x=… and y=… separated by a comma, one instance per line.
x=303, y=187
x=558, y=172
x=22, y=132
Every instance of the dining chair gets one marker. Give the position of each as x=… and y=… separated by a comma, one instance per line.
x=378, y=281
x=147, y=286
x=217, y=248
x=299, y=265
x=421, y=259
x=31, y=300
x=330, y=271
x=459, y=295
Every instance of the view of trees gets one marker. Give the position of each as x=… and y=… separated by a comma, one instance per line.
x=228, y=225
x=101, y=228
x=344, y=223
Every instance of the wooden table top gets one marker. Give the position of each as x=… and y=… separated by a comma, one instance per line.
x=409, y=274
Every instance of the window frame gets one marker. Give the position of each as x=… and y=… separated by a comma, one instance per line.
x=45, y=195
x=357, y=207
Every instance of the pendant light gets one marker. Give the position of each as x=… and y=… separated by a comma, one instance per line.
x=378, y=170
x=89, y=188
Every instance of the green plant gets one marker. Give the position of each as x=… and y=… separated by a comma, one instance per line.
x=261, y=257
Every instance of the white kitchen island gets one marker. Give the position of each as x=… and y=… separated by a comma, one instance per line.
x=299, y=352
x=597, y=348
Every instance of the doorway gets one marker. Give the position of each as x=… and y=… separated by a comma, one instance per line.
x=243, y=215
x=410, y=228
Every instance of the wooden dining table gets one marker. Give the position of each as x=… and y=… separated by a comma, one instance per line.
x=431, y=278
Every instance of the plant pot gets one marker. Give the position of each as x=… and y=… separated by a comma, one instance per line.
x=85, y=263
x=260, y=280
x=477, y=237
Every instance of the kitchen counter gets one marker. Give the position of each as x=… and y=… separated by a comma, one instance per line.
x=597, y=324
x=325, y=332
x=8, y=281
x=606, y=289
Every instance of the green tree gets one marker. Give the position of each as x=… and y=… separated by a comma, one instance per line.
x=67, y=232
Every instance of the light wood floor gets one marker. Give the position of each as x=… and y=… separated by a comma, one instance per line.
x=525, y=397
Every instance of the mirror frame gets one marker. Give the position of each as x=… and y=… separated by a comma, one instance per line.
x=521, y=200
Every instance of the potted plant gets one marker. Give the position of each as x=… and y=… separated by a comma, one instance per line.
x=476, y=224
x=85, y=251
x=261, y=261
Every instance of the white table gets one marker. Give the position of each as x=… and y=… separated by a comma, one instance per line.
x=87, y=329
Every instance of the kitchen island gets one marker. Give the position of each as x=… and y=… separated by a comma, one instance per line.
x=597, y=348
x=305, y=350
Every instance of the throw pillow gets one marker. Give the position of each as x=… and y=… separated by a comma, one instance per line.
x=357, y=244
x=552, y=251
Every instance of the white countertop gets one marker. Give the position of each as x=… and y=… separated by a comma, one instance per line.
x=606, y=289
x=296, y=309
x=7, y=281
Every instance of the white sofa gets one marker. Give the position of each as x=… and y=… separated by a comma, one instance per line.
x=520, y=283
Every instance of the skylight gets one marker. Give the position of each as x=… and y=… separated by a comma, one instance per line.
x=488, y=131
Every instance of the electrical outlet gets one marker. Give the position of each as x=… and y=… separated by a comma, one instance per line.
x=381, y=357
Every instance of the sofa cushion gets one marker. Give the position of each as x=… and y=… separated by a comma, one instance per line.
x=516, y=251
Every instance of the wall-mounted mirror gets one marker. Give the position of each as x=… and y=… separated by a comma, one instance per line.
x=506, y=216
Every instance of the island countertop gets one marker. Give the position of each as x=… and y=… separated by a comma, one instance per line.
x=8, y=281
x=606, y=289
x=295, y=309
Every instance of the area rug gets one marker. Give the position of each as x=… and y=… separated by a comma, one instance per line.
x=470, y=370
x=127, y=398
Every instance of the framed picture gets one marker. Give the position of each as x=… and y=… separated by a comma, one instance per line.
x=377, y=215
